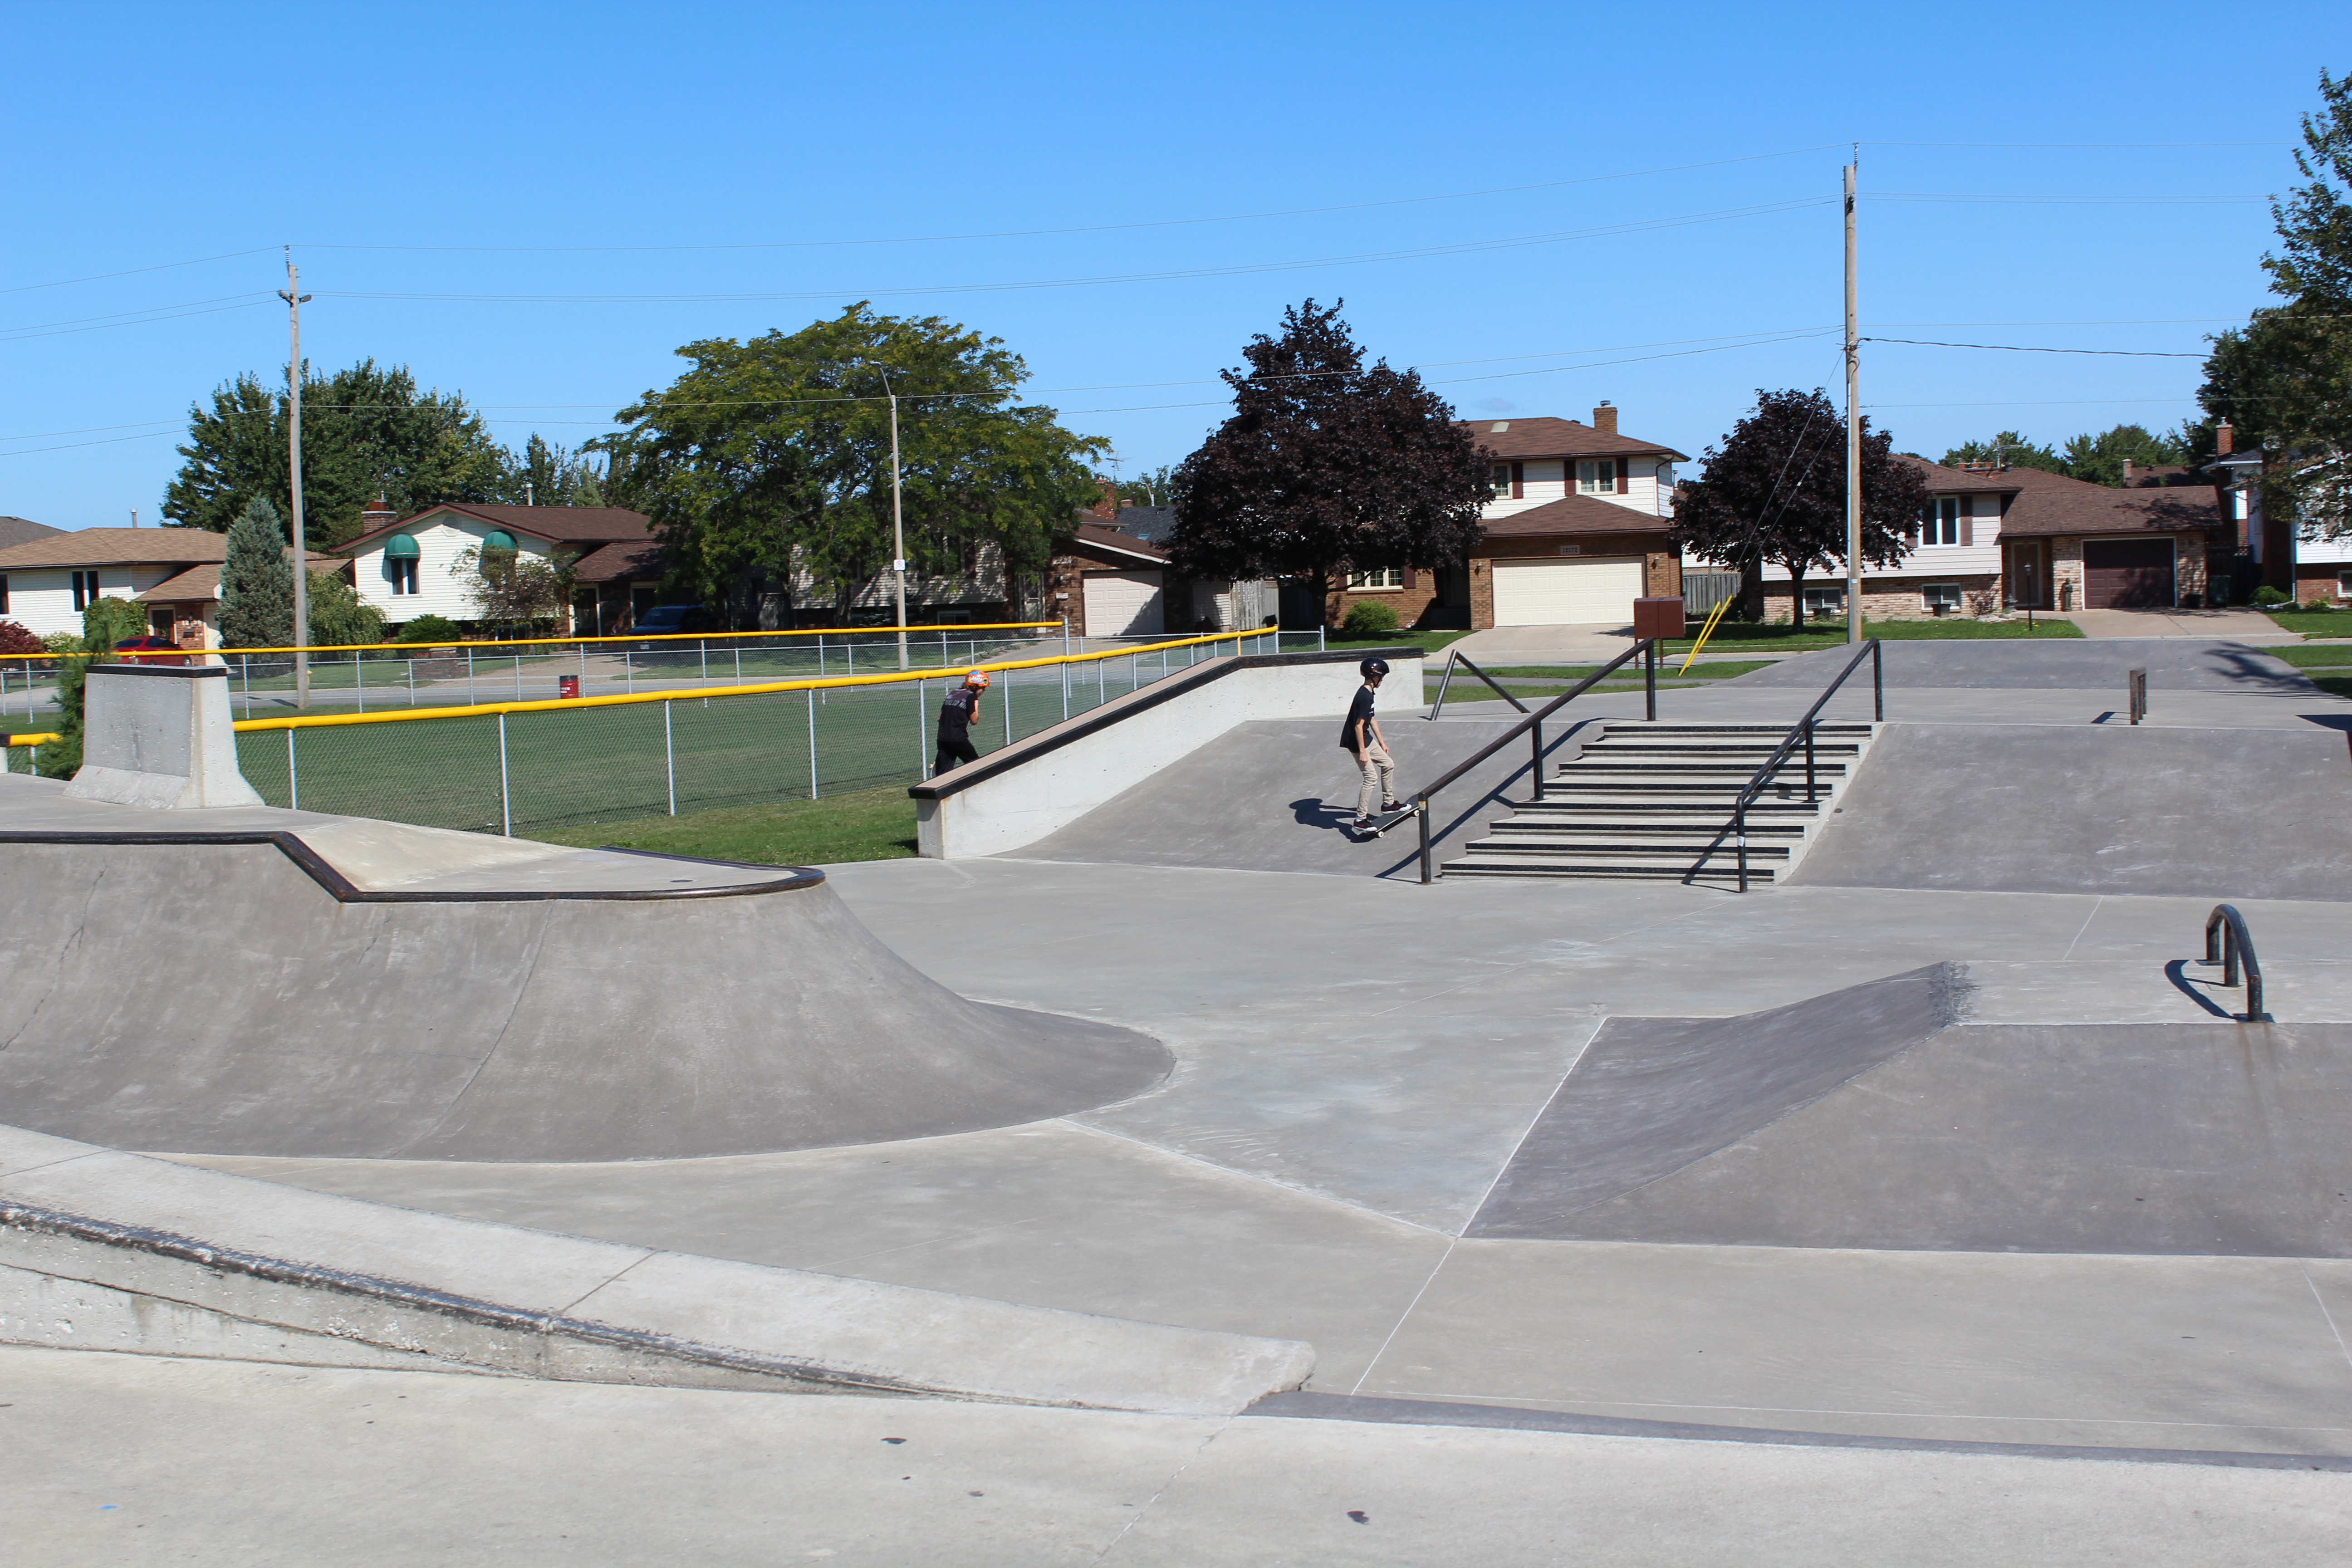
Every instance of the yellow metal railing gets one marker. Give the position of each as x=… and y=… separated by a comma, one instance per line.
x=420, y=649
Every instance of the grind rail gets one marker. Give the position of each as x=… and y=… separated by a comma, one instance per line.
x=1646, y=650
x=1801, y=731
x=2225, y=930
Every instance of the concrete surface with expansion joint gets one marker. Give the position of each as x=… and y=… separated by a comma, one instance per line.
x=1361, y=1064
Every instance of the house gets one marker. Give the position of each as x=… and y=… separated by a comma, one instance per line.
x=16, y=531
x=48, y=580
x=1109, y=576
x=1996, y=537
x=409, y=566
x=1577, y=532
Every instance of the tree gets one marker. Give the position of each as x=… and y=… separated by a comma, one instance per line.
x=1153, y=487
x=2009, y=448
x=1326, y=466
x=1775, y=492
x=16, y=637
x=512, y=588
x=2284, y=381
x=774, y=455
x=256, y=581
x=339, y=616
x=366, y=431
x=2099, y=459
x=547, y=473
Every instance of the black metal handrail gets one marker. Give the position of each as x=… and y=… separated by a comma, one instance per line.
x=1445, y=681
x=2226, y=929
x=1646, y=649
x=1802, y=729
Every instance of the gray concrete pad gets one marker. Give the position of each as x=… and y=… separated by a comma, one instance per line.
x=300, y=1466
x=2172, y=666
x=2220, y=813
x=2236, y=625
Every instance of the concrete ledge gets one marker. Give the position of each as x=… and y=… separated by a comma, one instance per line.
x=101, y=1249
x=1017, y=795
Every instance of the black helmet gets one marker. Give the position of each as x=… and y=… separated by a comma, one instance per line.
x=1374, y=667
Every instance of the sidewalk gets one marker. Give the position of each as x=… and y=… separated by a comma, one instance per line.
x=2238, y=626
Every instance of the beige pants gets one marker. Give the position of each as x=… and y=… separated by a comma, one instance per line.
x=1379, y=780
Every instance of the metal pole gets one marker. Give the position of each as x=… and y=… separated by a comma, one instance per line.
x=922, y=758
x=1428, y=864
x=584, y=670
x=669, y=759
x=1065, y=674
x=1008, y=707
x=1853, y=425
x=293, y=782
x=812, y=707
x=1537, y=769
x=1650, y=677
x=1877, y=682
x=897, y=525
x=506, y=802
x=293, y=296
x=359, y=679
x=470, y=678
x=1809, y=762
x=1739, y=835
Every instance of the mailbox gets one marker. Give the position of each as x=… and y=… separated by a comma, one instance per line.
x=1658, y=617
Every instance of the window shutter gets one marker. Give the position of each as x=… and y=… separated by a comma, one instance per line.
x=1624, y=478
x=1518, y=481
x=1967, y=520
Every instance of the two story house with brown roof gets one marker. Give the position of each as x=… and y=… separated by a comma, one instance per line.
x=410, y=566
x=1577, y=532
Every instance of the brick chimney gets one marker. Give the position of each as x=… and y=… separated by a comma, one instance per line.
x=1105, y=509
x=378, y=514
x=2223, y=438
x=2126, y=470
x=1604, y=418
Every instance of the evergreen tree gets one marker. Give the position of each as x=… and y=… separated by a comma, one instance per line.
x=1326, y=466
x=2009, y=448
x=256, y=581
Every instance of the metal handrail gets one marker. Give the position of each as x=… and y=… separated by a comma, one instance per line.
x=1803, y=728
x=1648, y=648
x=2226, y=929
x=1446, y=681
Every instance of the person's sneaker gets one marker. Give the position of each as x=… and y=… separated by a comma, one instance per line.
x=1386, y=806
x=1360, y=824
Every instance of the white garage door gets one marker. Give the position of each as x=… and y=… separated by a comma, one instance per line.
x=1126, y=603
x=1566, y=593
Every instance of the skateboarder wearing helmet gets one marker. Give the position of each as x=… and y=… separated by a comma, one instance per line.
x=1363, y=738
x=956, y=715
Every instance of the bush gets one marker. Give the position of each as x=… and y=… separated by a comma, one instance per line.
x=339, y=616
x=63, y=643
x=15, y=637
x=110, y=621
x=2267, y=598
x=430, y=629
x=1370, y=618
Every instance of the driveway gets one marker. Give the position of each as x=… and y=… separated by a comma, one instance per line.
x=2238, y=626
x=1524, y=645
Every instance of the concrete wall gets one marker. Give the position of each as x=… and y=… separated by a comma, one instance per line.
x=1015, y=796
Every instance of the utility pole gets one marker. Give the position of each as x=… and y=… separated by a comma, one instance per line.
x=1852, y=425
x=294, y=297
x=897, y=523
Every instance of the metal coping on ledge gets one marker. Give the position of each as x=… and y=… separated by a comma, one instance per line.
x=796, y=880
x=181, y=671
x=1166, y=687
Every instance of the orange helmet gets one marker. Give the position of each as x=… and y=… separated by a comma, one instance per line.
x=977, y=679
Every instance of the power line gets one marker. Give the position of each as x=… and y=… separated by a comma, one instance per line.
x=134, y=272
x=2023, y=349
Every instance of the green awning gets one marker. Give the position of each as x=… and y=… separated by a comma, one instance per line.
x=401, y=547
x=497, y=539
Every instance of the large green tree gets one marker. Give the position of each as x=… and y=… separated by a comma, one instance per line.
x=2096, y=459
x=2009, y=448
x=366, y=431
x=548, y=473
x=256, y=581
x=774, y=455
x=1326, y=465
x=1774, y=490
x=2284, y=381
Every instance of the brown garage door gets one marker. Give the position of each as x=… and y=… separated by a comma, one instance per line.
x=2127, y=573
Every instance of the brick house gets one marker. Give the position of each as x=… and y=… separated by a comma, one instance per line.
x=1996, y=537
x=1577, y=532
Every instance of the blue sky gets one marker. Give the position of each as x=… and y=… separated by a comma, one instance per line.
x=1635, y=203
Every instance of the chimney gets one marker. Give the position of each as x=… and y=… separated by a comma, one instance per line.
x=1604, y=418
x=1106, y=511
x=2126, y=470
x=377, y=514
x=2224, y=437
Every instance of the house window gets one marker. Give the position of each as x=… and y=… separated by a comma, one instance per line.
x=1597, y=476
x=1829, y=601
x=2342, y=587
x=1943, y=523
x=4, y=594
x=1377, y=578
x=1941, y=598
x=1499, y=475
x=401, y=575
x=85, y=589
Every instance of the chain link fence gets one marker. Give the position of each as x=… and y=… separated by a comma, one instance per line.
x=520, y=772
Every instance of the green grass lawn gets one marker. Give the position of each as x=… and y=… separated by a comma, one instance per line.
x=2314, y=623
x=1731, y=635
x=2313, y=656
x=863, y=824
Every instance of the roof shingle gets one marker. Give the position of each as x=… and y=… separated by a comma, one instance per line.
x=1547, y=437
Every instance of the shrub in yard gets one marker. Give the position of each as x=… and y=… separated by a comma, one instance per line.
x=62, y=642
x=110, y=621
x=430, y=629
x=2267, y=598
x=1370, y=618
x=16, y=638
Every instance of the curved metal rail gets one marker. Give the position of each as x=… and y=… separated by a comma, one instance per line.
x=2229, y=944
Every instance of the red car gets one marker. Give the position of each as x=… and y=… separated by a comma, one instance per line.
x=167, y=651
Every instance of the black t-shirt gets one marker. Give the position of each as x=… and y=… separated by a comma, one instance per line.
x=957, y=712
x=1358, y=712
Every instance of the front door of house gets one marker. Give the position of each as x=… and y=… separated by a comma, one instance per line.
x=2028, y=573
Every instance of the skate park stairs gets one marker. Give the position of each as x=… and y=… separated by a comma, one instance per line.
x=109, y=1251
x=1015, y=796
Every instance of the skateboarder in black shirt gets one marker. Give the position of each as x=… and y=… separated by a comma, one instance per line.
x=1361, y=736
x=956, y=715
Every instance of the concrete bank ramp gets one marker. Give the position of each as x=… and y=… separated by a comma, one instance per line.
x=2105, y=808
x=1271, y=794
x=101, y=1250
x=232, y=992
x=2173, y=664
x=1876, y=1117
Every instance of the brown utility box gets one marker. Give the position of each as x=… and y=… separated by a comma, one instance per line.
x=1658, y=617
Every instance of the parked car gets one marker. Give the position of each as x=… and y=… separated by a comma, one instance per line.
x=670, y=620
x=167, y=651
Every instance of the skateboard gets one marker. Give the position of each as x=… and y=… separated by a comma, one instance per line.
x=1382, y=824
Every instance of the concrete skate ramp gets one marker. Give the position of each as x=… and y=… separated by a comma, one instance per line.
x=1271, y=796
x=215, y=997
x=2107, y=808
x=2172, y=665
x=1839, y=1122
